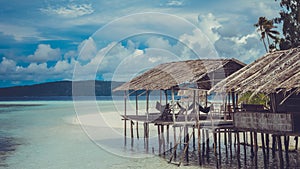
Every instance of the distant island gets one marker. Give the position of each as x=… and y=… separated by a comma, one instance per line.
x=60, y=88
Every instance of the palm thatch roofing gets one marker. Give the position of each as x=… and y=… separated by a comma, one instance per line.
x=168, y=75
x=274, y=72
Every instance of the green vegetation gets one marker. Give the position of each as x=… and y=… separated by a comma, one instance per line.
x=256, y=99
x=290, y=20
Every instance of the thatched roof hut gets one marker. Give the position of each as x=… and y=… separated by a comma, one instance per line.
x=203, y=72
x=274, y=72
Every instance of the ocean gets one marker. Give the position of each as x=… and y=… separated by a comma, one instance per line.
x=89, y=134
x=49, y=134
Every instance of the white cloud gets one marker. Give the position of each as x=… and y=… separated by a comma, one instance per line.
x=87, y=49
x=198, y=43
x=19, y=33
x=243, y=40
x=45, y=53
x=7, y=65
x=174, y=3
x=208, y=25
x=71, y=10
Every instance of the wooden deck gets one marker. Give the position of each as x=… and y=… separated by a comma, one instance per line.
x=190, y=121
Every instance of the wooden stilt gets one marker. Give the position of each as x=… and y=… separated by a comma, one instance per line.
x=245, y=150
x=230, y=143
x=273, y=145
x=168, y=136
x=125, y=119
x=131, y=131
x=225, y=143
x=136, y=113
x=219, y=144
x=215, y=142
x=296, y=142
x=199, y=145
x=175, y=147
x=180, y=136
x=251, y=145
x=194, y=139
x=238, y=149
x=207, y=142
x=280, y=151
x=184, y=150
x=159, y=139
x=203, y=143
x=255, y=149
x=263, y=149
x=187, y=140
x=163, y=140
x=286, y=144
x=268, y=144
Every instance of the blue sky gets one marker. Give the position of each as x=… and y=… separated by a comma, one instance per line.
x=50, y=40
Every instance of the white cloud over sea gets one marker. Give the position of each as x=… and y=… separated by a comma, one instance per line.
x=44, y=40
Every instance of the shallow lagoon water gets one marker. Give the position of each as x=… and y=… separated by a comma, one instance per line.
x=46, y=134
x=50, y=134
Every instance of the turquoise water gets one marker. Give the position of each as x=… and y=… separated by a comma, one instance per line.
x=89, y=134
x=49, y=134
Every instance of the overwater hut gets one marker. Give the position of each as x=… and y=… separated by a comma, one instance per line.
x=201, y=74
x=196, y=75
x=277, y=75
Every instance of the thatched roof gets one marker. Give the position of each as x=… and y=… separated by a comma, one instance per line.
x=273, y=72
x=168, y=75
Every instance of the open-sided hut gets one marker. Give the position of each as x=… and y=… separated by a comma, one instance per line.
x=277, y=75
x=193, y=75
x=201, y=74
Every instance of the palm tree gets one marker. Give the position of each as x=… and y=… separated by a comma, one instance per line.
x=266, y=28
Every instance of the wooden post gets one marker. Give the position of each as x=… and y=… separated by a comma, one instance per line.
x=263, y=149
x=230, y=143
x=199, y=144
x=147, y=105
x=273, y=145
x=238, y=149
x=286, y=143
x=125, y=118
x=296, y=142
x=203, y=142
x=233, y=104
x=245, y=150
x=168, y=135
x=194, y=139
x=255, y=148
x=175, y=142
x=159, y=139
x=251, y=144
x=147, y=124
x=166, y=96
x=173, y=104
x=137, y=113
x=225, y=143
x=215, y=142
x=280, y=151
x=163, y=139
x=219, y=144
x=187, y=144
x=207, y=143
x=268, y=144
x=131, y=129
x=180, y=136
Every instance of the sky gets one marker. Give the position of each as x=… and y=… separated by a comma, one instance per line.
x=51, y=40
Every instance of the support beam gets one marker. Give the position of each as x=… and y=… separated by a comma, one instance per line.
x=137, y=113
